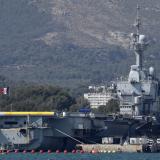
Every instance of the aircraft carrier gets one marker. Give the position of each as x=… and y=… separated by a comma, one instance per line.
x=139, y=118
x=138, y=121
x=48, y=130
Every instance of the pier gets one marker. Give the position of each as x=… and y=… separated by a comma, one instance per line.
x=110, y=148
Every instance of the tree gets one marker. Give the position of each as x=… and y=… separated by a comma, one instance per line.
x=111, y=107
x=80, y=103
x=36, y=98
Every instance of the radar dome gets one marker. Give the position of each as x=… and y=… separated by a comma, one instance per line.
x=142, y=39
x=151, y=71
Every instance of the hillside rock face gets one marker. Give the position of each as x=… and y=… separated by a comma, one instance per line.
x=71, y=42
x=92, y=23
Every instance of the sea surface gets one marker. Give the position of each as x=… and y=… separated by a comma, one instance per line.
x=70, y=156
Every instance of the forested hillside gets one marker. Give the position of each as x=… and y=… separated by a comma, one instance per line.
x=70, y=42
x=32, y=97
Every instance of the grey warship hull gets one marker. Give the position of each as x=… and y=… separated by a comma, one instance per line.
x=123, y=128
x=48, y=132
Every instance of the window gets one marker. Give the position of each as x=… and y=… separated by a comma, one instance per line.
x=11, y=122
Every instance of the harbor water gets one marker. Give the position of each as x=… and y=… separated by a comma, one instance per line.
x=78, y=156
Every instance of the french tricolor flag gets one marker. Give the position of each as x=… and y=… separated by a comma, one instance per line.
x=4, y=90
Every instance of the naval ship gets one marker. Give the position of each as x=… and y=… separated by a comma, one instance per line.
x=48, y=130
x=138, y=118
x=139, y=101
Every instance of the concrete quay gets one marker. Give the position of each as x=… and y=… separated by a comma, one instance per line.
x=110, y=148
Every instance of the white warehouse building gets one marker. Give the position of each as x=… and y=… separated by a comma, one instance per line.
x=98, y=96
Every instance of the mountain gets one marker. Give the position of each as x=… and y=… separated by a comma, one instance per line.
x=73, y=42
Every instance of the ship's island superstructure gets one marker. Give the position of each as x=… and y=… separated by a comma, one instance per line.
x=138, y=121
x=140, y=94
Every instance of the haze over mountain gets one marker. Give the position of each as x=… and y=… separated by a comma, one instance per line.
x=73, y=42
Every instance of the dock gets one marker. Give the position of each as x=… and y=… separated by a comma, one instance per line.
x=110, y=148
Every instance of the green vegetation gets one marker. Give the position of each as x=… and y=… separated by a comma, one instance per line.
x=37, y=98
x=111, y=107
x=80, y=103
x=33, y=97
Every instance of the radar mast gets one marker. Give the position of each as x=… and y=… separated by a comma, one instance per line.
x=138, y=41
x=138, y=21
